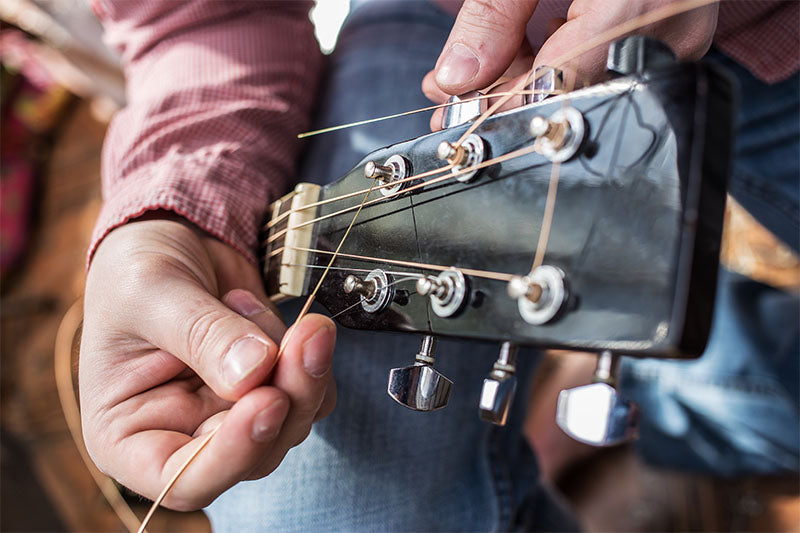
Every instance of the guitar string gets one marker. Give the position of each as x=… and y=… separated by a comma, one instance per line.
x=421, y=110
x=552, y=191
x=392, y=284
x=642, y=20
x=276, y=220
x=284, y=342
x=415, y=177
x=454, y=173
x=633, y=24
x=500, y=276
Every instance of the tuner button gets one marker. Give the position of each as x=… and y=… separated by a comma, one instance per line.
x=461, y=113
x=420, y=387
x=499, y=387
x=546, y=81
x=595, y=414
x=636, y=54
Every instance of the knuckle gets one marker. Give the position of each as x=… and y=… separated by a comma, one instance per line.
x=206, y=333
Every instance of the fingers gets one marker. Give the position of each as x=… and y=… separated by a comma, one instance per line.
x=251, y=307
x=247, y=432
x=304, y=374
x=482, y=44
x=230, y=352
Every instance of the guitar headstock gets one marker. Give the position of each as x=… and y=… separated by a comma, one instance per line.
x=633, y=172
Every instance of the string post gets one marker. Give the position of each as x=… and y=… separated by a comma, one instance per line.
x=464, y=157
x=451, y=152
x=383, y=173
x=524, y=287
x=560, y=136
x=352, y=284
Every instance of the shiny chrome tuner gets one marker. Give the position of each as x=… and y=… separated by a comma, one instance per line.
x=595, y=414
x=448, y=292
x=499, y=387
x=560, y=136
x=377, y=290
x=472, y=152
x=540, y=295
x=394, y=169
x=420, y=387
x=636, y=54
x=462, y=112
x=546, y=82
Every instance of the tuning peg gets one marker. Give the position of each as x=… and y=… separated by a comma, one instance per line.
x=595, y=414
x=461, y=113
x=420, y=387
x=636, y=54
x=546, y=80
x=499, y=387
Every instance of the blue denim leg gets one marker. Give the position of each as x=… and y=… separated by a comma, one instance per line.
x=735, y=410
x=374, y=465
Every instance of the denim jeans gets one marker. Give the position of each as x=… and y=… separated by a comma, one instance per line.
x=374, y=465
x=736, y=410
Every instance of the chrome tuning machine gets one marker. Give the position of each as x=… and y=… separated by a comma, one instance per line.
x=559, y=136
x=460, y=112
x=547, y=81
x=390, y=174
x=462, y=156
x=449, y=292
x=540, y=295
x=420, y=387
x=377, y=290
x=595, y=414
x=499, y=387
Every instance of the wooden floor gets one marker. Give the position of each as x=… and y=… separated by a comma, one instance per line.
x=47, y=487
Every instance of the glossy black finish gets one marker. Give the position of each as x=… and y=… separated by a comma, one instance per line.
x=636, y=228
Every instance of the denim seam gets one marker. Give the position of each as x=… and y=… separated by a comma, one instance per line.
x=654, y=376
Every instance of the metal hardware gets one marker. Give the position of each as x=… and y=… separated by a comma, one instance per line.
x=420, y=387
x=637, y=54
x=377, y=290
x=448, y=292
x=472, y=152
x=560, y=136
x=595, y=414
x=461, y=113
x=540, y=295
x=394, y=169
x=545, y=80
x=499, y=387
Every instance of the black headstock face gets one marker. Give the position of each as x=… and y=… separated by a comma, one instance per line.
x=635, y=230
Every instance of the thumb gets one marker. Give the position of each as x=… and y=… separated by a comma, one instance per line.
x=229, y=352
x=482, y=44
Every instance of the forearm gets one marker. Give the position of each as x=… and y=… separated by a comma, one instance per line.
x=217, y=92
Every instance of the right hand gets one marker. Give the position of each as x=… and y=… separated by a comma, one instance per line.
x=179, y=338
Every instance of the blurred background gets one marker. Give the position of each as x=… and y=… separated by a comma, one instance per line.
x=59, y=88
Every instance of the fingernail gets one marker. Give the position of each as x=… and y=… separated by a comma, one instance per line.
x=242, y=358
x=265, y=424
x=317, y=359
x=244, y=303
x=459, y=66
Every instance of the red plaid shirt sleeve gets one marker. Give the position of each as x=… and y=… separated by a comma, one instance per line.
x=217, y=92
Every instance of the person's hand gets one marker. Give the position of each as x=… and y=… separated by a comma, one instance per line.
x=178, y=338
x=489, y=37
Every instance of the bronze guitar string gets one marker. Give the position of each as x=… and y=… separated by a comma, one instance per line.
x=607, y=36
x=454, y=174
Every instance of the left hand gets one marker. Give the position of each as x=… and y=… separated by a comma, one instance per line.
x=488, y=40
